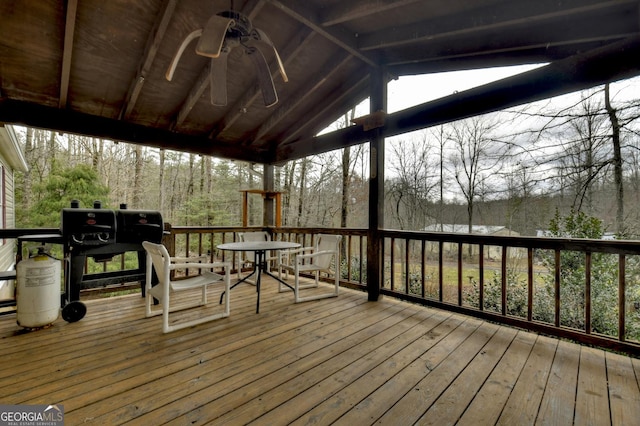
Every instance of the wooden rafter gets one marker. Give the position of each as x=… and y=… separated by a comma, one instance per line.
x=67, y=53
x=153, y=44
x=196, y=91
x=336, y=34
x=313, y=85
x=294, y=141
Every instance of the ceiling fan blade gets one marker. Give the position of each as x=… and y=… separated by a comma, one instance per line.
x=218, y=80
x=178, y=54
x=264, y=77
x=213, y=35
x=264, y=38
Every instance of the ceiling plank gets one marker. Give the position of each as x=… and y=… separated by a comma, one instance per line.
x=67, y=52
x=510, y=14
x=346, y=11
x=578, y=72
x=301, y=12
x=151, y=48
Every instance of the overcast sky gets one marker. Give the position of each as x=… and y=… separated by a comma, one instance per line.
x=408, y=91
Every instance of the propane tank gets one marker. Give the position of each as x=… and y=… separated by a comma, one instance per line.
x=37, y=290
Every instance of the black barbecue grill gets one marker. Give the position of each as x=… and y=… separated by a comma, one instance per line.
x=102, y=234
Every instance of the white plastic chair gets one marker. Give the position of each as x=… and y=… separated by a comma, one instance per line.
x=250, y=256
x=158, y=258
x=319, y=258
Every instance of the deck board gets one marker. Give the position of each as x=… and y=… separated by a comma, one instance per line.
x=559, y=400
x=343, y=361
x=592, y=399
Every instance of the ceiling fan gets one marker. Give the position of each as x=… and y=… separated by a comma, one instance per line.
x=222, y=33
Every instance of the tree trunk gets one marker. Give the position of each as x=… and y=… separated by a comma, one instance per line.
x=346, y=161
x=161, y=200
x=617, y=161
x=301, y=198
x=137, y=178
x=288, y=189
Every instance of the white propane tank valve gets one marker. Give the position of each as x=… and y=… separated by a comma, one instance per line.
x=37, y=290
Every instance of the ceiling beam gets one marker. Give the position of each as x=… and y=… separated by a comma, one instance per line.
x=68, y=121
x=613, y=62
x=509, y=15
x=67, y=52
x=151, y=48
x=469, y=48
x=301, y=12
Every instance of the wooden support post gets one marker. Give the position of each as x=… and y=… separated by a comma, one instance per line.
x=269, y=214
x=376, y=189
x=245, y=208
x=267, y=200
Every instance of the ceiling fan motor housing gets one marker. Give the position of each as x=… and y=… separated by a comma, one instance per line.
x=241, y=27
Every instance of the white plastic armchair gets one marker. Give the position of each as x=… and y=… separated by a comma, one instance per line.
x=158, y=258
x=324, y=255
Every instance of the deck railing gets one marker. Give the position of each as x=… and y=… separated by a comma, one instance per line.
x=585, y=290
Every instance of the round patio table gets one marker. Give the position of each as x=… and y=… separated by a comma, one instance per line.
x=260, y=249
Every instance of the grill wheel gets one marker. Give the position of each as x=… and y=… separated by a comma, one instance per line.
x=74, y=311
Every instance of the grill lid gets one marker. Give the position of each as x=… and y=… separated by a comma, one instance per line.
x=88, y=227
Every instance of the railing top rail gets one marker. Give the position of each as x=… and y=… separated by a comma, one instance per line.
x=552, y=243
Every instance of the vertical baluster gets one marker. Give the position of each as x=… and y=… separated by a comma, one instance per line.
x=529, y=284
x=481, y=277
x=422, y=267
x=557, y=287
x=503, y=272
x=459, y=274
x=407, y=269
x=621, y=298
x=392, y=268
x=587, y=293
x=440, y=271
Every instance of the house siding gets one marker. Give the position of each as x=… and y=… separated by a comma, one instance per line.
x=11, y=159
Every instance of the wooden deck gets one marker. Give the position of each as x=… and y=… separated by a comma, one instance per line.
x=334, y=361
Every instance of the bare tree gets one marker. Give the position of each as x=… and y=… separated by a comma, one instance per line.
x=477, y=157
x=412, y=186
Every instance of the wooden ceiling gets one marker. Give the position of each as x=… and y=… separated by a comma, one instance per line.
x=98, y=67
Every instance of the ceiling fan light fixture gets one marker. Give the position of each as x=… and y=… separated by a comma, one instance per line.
x=222, y=33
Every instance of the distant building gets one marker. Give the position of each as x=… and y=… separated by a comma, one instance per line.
x=547, y=233
x=490, y=252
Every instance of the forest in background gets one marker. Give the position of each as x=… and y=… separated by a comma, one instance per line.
x=514, y=168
